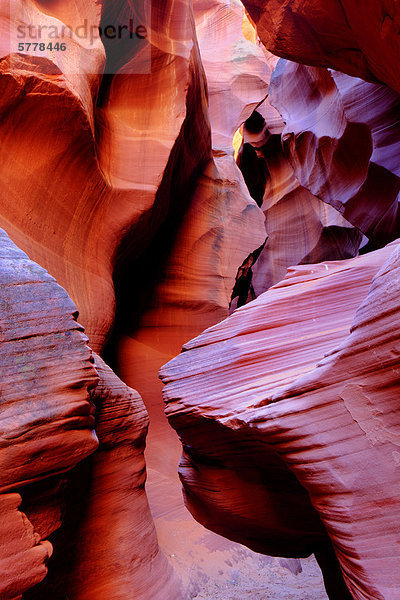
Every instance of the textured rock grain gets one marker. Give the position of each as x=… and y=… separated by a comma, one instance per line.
x=46, y=416
x=238, y=443
x=46, y=365
x=107, y=546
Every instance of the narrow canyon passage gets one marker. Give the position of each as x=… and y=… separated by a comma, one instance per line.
x=207, y=563
x=199, y=300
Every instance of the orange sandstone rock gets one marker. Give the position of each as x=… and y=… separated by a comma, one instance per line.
x=23, y=556
x=46, y=366
x=107, y=546
x=338, y=430
x=98, y=185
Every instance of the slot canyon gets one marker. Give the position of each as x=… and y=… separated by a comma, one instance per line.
x=199, y=288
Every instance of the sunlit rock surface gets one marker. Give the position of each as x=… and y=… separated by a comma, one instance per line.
x=301, y=227
x=238, y=444
x=221, y=227
x=237, y=69
x=118, y=177
x=329, y=177
x=75, y=197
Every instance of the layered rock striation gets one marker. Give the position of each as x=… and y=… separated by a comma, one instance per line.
x=107, y=545
x=59, y=405
x=118, y=177
x=268, y=424
x=46, y=415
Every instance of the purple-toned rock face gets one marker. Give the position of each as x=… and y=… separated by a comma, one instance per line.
x=347, y=158
x=46, y=416
x=54, y=395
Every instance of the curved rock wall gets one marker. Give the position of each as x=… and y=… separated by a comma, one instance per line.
x=224, y=391
x=118, y=177
x=107, y=545
x=346, y=157
x=301, y=227
x=55, y=395
x=335, y=33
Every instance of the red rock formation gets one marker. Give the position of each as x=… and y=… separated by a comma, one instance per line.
x=46, y=366
x=23, y=556
x=236, y=451
x=237, y=70
x=117, y=176
x=80, y=231
x=301, y=227
x=117, y=506
x=107, y=546
x=87, y=221
x=335, y=33
x=352, y=396
x=221, y=227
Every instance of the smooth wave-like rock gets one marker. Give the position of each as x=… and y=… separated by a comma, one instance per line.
x=222, y=224
x=23, y=556
x=237, y=69
x=118, y=177
x=340, y=138
x=242, y=466
x=336, y=33
x=112, y=161
x=221, y=227
x=346, y=409
x=301, y=227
